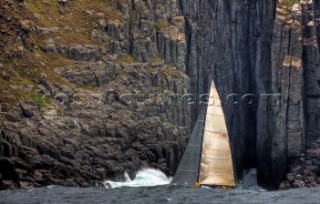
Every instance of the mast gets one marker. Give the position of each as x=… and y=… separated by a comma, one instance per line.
x=216, y=166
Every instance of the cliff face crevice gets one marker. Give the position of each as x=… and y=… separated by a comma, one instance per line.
x=234, y=49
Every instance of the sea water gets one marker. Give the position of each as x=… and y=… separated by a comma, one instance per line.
x=152, y=186
x=144, y=178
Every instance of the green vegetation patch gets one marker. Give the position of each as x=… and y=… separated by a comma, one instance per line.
x=159, y=89
x=168, y=72
x=158, y=26
x=157, y=59
x=290, y=3
x=41, y=100
x=126, y=59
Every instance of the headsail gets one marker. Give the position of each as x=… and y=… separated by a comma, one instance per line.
x=216, y=166
x=188, y=170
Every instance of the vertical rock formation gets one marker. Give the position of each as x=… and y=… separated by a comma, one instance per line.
x=233, y=44
x=305, y=172
x=263, y=57
x=310, y=37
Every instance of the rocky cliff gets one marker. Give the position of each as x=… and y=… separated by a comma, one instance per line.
x=89, y=91
x=263, y=57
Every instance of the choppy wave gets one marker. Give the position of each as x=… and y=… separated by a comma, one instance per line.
x=172, y=194
x=144, y=178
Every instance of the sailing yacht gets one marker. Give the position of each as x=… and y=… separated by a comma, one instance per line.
x=207, y=160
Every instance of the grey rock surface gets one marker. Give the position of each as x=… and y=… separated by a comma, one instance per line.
x=268, y=51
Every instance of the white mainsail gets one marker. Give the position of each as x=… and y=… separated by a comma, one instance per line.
x=216, y=167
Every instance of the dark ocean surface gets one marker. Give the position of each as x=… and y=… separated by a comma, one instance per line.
x=140, y=191
x=159, y=194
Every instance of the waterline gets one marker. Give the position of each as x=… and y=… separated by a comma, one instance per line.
x=144, y=178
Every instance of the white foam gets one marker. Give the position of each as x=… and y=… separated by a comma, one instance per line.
x=144, y=178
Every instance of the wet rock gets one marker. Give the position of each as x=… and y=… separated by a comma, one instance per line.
x=296, y=169
x=285, y=186
x=7, y=184
x=290, y=177
x=25, y=185
x=7, y=169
